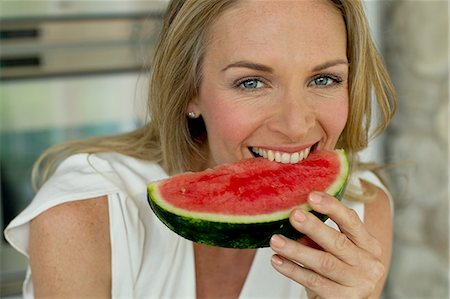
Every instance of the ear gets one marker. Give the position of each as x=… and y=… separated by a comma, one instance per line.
x=193, y=107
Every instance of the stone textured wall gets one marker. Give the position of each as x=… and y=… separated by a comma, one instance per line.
x=415, y=41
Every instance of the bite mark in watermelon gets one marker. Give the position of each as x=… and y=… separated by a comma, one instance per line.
x=241, y=205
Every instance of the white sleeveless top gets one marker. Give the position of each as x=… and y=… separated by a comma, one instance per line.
x=148, y=260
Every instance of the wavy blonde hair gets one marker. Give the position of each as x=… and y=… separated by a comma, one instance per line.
x=175, y=142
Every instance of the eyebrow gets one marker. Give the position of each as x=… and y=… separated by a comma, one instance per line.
x=330, y=63
x=268, y=69
x=249, y=65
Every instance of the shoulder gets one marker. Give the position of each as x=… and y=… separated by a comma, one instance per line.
x=379, y=210
x=378, y=220
x=75, y=214
x=86, y=176
x=378, y=205
x=69, y=248
x=71, y=222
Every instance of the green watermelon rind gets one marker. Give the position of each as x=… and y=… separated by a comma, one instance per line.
x=236, y=231
x=231, y=235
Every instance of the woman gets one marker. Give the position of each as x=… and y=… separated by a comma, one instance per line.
x=228, y=76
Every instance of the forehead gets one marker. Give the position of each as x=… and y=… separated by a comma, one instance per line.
x=293, y=28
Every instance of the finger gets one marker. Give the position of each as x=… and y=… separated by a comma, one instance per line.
x=325, y=236
x=321, y=262
x=347, y=220
x=363, y=267
x=305, y=240
x=312, y=281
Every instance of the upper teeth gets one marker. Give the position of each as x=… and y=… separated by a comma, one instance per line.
x=282, y=157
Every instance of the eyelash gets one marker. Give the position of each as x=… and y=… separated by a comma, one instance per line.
x=337, y=80
x=238, y=83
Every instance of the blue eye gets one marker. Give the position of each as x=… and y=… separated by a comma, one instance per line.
x=251, y=84
x=325, y=81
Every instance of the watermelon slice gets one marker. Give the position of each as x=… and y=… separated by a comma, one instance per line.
x=241, y=205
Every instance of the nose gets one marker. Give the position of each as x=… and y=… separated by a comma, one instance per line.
x=293, y=116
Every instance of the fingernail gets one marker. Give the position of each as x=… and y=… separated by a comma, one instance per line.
x=277, y=260
x=315, y=198
x=299, y=216
x=277, y=241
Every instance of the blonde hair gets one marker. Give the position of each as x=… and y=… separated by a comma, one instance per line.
x=174, y=141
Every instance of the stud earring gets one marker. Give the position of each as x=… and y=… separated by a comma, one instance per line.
x=192, y=114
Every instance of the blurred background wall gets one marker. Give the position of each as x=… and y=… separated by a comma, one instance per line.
x=415, y=38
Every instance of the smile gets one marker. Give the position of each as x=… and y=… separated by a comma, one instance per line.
x=283, y=157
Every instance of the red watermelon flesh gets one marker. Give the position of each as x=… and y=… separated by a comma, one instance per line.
x=250, y=190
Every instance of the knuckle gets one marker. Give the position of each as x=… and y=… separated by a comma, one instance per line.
x=313, y=281
x=378, y=270
x=374, y=268
x=366, y=289
x=328, y=263
x=341, y=242
x=377, y=249
x=372, y=276
x=311, y=294
x=291, y=269
x=353, y=219
x=354, y=294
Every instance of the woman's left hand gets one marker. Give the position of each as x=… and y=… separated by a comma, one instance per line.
x=348, y=264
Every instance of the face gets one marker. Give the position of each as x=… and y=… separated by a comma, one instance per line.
x=274, y=81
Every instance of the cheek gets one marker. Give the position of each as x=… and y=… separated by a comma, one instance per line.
x=227, y=122
x=341, y=118
x=222, y=124
x=227, y=130
x=334, y=119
